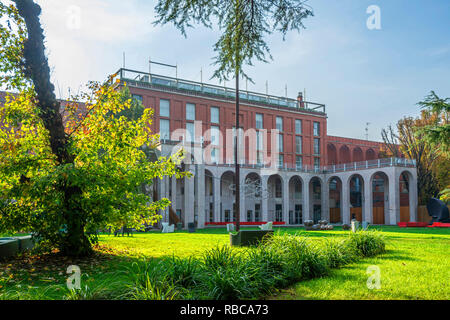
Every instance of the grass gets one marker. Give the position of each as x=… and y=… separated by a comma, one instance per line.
x=416, y=265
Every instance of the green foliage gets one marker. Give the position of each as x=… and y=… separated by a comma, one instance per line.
x=12, y=36
x=182, y=272
x=224, y=273
x=150, y=281
x=438, y=134
x=302, y=259
x=221, y=257
x=110, y=167
x=367, y=243
x=244, y=26
x=339, y=253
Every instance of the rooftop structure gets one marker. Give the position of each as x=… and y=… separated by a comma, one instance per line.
x=148, y=80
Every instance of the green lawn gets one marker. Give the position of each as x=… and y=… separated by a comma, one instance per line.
x=415, y=266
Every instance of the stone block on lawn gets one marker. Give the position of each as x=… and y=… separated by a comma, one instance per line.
x=249, y=237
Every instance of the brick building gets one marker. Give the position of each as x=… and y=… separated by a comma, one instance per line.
x=291, y=169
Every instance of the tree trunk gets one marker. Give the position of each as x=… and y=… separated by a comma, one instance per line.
x=75, y=243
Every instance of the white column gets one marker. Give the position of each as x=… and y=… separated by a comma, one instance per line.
x=345, y=206
x=325, y=200
x=413, y=199
x=305, y=205
x=173, y=198
x=200, y=195
x=265, y=199
x=368, y=200
x=394, y=198
x=285, y=195
x=217, y=200
x=243, y=216
x=189, y=197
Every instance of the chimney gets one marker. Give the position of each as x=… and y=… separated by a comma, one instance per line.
x=300, y=100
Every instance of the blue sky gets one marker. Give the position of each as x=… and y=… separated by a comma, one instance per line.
x=361, y=75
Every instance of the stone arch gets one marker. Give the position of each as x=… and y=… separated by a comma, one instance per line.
x=275, y=197
x=210, y=195
x=227, y=196
x=344, y=154
x=296, y=200
x=406, y=196
x=379, y=182
x=335, y=199
x=315, y=198
x=356, y=196
x=370, y=154
x=358, y=154
x=253, y=194
x=332, y=156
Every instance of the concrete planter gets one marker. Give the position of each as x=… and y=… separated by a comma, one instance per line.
x=13, y=245
x=249, y=237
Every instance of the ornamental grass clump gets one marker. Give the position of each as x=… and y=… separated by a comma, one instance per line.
x=367, y=243
x=302, y=258
x=338, y=252
x=226, y=273
x=150, y=281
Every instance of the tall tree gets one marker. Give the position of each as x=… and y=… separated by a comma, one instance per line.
x=62, y=177
x=244, y=25
x=437, y=134
x=406, y=139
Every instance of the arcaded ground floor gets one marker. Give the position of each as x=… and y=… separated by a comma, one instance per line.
x=382, y=192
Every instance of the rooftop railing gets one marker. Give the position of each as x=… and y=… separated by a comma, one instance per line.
x=150, y=80
x=352, y=166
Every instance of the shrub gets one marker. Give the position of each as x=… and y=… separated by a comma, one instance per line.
x=230, y=283
x=302, y=259
x=221, y=257
x=367, y=243
x=338, y=252
x=151, y=281
x=269, y=264
x=226, y=273
x=182, y=272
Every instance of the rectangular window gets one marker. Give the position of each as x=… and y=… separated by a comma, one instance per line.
x=298, y=144
x=279, y=124
x=249, y=215
x=280, y=143
x=316, y=163
x=278, y=189
x=280, y=161
x=316, y=146
x=190, y=131
x=215, y=135
x=214, y=115
x=298, y=126
x=164, y=129
x=164, y=108
x=259, y=141
x=259, y=157
x=317, y=129
x=190, y=111
x=257, y=211
x=298, y=162
x=259, y=121
x=214, y=153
